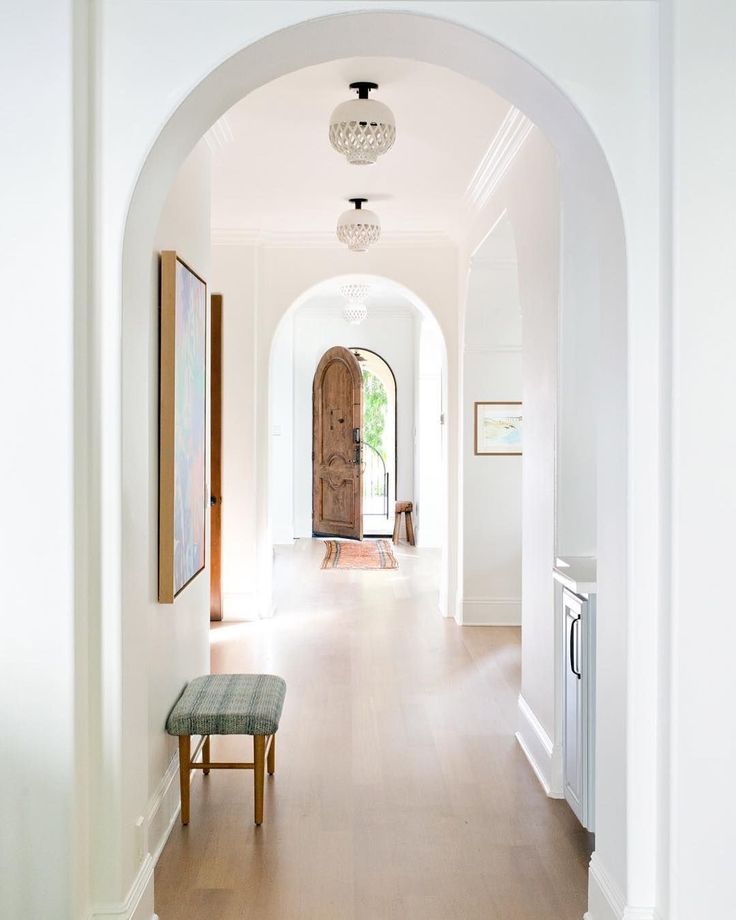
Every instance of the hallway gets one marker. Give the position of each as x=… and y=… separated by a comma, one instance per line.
x=400, y=790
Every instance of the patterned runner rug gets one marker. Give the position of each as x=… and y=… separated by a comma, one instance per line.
x=370, y=554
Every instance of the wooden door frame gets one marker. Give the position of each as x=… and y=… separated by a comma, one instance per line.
x=216, y=457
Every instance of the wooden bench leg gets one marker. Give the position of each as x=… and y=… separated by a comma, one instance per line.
x=259, y=764
x=271, y=766
x=206, y=753
x=184, y=776
x=397, y=527
x=409, y=528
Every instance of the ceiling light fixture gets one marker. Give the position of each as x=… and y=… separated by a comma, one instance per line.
x=358, y=228
x=354, y=313
x=362, y=129
x=355, y=310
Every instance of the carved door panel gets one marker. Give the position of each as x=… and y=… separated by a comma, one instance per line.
x=337, y=486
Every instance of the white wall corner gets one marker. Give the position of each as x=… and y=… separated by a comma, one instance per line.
x=544, y=758
x=239, y=606
x=491, y=611
x=139, y=903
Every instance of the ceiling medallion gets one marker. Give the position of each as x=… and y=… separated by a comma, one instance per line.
x=355, y=310
x=358, y=228
x=362, y=129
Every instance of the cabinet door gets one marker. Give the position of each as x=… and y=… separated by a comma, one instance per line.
x=574, y=737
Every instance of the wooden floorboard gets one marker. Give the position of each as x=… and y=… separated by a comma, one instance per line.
x=400, y=790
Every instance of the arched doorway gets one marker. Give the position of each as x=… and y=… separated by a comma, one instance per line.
x=398, y=320
x=486, y=60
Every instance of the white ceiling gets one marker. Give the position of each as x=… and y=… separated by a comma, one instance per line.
x=274, y=170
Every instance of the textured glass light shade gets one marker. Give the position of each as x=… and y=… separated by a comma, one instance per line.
x=362, y=130
x=354, y=312
x=354, y=291
x=358, y=228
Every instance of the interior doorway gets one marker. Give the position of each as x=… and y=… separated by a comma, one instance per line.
x=337, y=469
x=380, y=442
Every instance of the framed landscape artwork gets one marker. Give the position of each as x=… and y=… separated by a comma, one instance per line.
x=498, y=428
x=182, y=444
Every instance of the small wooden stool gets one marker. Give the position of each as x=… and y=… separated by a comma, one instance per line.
x=406, y=509
x=228, y=704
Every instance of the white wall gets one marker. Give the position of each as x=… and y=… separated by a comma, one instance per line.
x=578, y=366
x=698, y=769
x=281, y=390
x=492, y=544
x=179, y=650
x=171, y=642
x=43, y=601
x=430, y=457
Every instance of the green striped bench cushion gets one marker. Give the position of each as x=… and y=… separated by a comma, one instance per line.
x=229, y=704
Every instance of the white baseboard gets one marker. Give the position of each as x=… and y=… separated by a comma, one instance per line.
x=139, y=903
x=163, y=810
x=237, y=606
x=490, y=611
x=540, y=751
x=606, y=901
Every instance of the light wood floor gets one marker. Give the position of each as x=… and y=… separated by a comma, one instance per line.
x=400, y=791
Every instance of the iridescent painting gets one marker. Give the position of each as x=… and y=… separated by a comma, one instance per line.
x=183, y=500
x=498, y=428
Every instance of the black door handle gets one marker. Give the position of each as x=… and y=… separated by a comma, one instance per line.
x=572, y=648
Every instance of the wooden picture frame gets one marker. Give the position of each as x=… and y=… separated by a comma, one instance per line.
x=497, y=429
x=183, y=427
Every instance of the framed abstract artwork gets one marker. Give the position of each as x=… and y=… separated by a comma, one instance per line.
x=183, y=427
x=498, y=428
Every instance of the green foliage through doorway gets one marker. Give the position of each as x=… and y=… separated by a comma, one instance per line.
x=375, y=402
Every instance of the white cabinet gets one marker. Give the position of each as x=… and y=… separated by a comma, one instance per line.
x=578, y=622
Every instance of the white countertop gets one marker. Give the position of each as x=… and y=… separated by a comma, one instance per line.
x=578, y=573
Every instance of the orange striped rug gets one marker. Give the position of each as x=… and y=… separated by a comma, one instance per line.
x=369, y=554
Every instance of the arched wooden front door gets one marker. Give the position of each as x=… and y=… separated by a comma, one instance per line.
x=337, y=486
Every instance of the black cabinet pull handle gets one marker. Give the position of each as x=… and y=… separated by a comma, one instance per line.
x=572, y=648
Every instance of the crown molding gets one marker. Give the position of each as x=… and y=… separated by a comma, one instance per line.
x=320, y=239
x=501, y=152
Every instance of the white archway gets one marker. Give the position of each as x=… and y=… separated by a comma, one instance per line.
x=404, y=293
x=583, y=165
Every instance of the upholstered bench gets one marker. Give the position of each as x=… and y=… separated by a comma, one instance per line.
x=228, y=704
